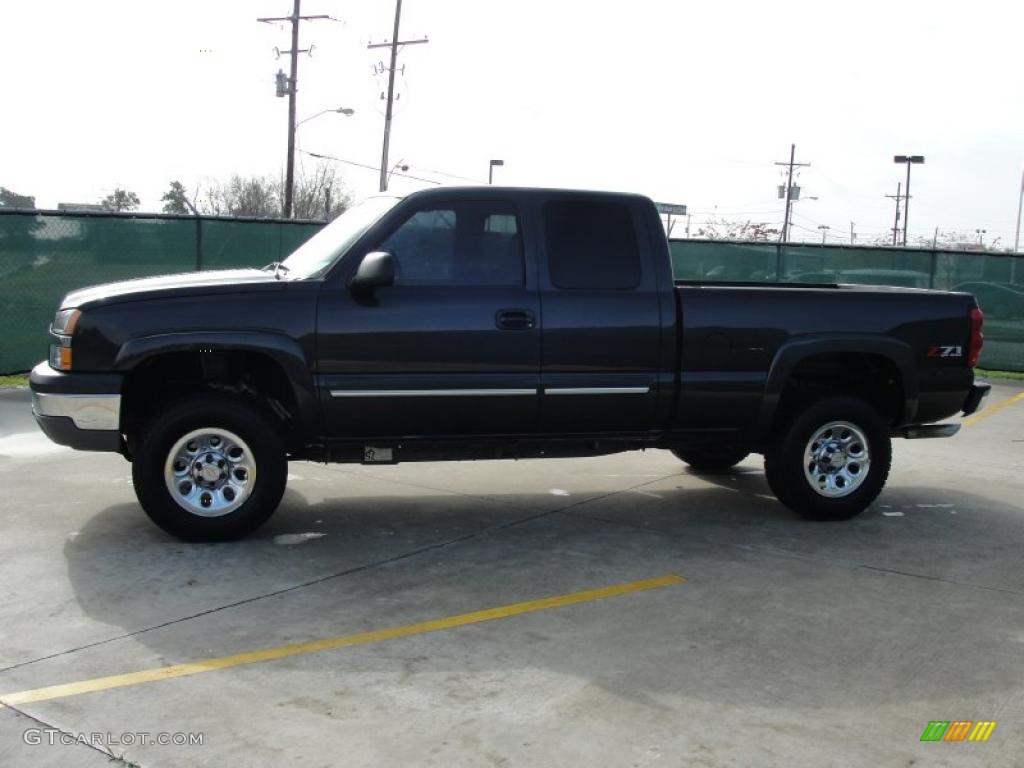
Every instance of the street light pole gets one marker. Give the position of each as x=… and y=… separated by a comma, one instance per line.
x=909, y=160
x=490, y=170
x=340, y=110
x=399, y=166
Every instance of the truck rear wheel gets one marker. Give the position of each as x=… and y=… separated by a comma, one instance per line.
x=831, y=461
x=210, y=468
x=711, y=460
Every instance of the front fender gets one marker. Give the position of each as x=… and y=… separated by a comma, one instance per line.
x=284, y=350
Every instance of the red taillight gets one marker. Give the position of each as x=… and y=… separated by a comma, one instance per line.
x=977, y=339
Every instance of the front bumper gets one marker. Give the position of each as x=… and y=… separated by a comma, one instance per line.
x=976, y=398
x=79, y=410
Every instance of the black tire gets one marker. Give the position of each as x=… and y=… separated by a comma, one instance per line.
x=711, y=460
x=252, y=425
x=784, y=459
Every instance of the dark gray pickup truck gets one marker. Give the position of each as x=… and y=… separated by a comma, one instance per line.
x=472, y=323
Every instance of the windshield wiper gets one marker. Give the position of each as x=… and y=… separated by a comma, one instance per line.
x=277, y=266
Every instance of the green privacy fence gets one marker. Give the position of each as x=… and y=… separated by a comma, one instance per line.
x=45, y=254
x=996, y=279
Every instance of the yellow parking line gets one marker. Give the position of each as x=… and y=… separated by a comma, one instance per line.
x=974, y=418
x=324, y=644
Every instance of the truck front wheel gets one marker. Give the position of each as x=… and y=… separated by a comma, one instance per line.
x=210, y=468
x=831, y=461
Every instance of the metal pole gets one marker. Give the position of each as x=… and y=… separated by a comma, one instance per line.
x=1020, y=206
x=789, y=192
x=896, y=221
x=906, y=205
x=490, y=173
x=289, y=178
x=391, y=96
x=199, y=243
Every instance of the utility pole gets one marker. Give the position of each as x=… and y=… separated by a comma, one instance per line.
x=295, y=18
x=393, y=45
x=1020, y=207
x=896, y=223
x=784, y=237
x=824, y=230
x=853, y=235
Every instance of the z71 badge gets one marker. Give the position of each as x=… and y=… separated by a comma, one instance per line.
x=943, y=350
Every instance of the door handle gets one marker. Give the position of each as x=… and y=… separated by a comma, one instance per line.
x=514, y=319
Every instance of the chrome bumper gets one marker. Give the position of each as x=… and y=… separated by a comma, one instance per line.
x=86, y=411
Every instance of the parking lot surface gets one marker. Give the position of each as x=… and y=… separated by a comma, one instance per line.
x=616, y=611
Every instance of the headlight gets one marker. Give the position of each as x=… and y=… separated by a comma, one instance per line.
x=64, y=322
x=63, y=328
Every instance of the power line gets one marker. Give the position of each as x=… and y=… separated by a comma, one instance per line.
x=450, y=175
x=364, y=165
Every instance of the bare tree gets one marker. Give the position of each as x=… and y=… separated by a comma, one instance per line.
x=717, y=228
x=317, y=195
x=241, y=196
x=320, y=194
x=11, y=199
x=958, y=240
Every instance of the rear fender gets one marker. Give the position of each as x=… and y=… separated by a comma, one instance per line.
x=792, y=353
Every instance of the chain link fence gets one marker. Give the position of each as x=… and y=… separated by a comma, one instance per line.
x=995, y=279
x=45, y=254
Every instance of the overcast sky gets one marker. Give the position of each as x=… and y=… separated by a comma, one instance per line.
x=686, y=102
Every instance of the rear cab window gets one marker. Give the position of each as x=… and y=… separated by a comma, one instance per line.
x=591, y=245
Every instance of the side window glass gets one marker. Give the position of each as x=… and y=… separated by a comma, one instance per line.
x=424, y=247
x=467, y=244
x=591, y=245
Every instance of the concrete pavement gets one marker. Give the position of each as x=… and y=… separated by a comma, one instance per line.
x=790, y=643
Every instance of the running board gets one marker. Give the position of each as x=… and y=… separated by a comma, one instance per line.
x=924, y=431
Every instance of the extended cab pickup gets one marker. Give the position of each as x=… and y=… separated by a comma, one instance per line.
x=470, y=323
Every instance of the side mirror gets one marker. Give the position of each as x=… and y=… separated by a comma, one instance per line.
x=376, y=270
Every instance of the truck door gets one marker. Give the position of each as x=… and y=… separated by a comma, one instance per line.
x=601, y=350
x=453, y=347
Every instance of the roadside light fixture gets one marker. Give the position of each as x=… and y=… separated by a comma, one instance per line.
x=490, y=170
x=346, y=111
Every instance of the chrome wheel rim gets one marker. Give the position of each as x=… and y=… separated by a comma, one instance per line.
x=837, y=459
x=210, y=472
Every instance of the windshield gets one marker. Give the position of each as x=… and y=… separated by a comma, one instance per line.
x=319, y=252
